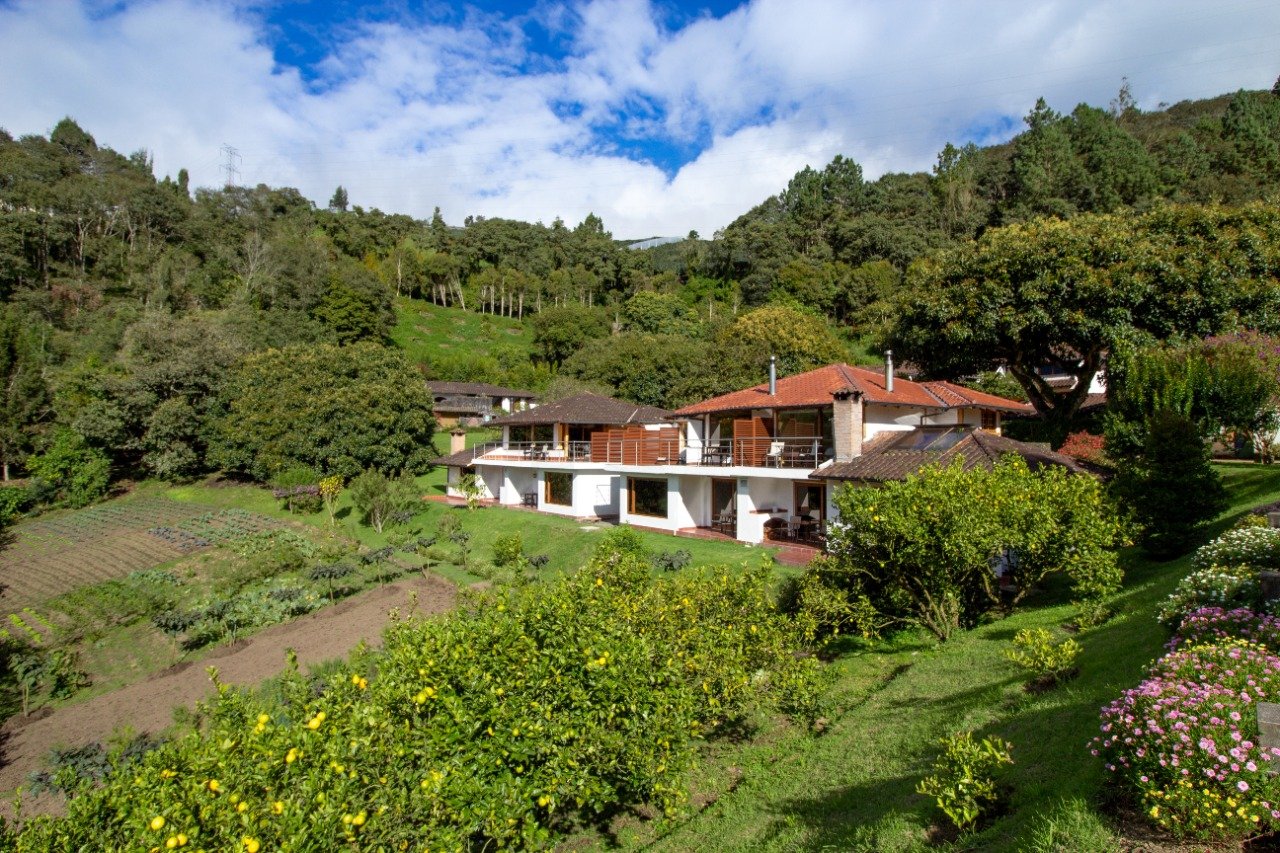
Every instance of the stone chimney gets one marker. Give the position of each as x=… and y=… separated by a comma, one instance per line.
x=888, y=370
x=457, y=441
x=846, y=423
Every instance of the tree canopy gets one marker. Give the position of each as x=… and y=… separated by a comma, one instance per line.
x=338, y=410
x=1060, y=292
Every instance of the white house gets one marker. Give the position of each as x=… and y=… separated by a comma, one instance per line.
x=751, y=464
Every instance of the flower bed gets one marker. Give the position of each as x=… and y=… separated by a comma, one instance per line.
x=1186, y=741
x=1216, y=625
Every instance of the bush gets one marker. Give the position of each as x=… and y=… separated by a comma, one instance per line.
x=1086, y=447
x=1215, y=625
x=823, y=609
x=70, y=473
x=1257, y=547
x=923, y=550
x=1215, y=586
x=508, y=550
x=1171, y=487
x=672, y=561
x=14, y=500
x=963, y=780
x=381, y=499
x=1186, y=742
x=496, y=725
x=299, y=488
x=1035, y=651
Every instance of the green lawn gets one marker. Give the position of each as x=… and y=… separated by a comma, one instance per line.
x=565, y=541
x=853, y=786
x=430, y=334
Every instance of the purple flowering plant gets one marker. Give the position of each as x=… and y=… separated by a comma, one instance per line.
x=1216, y=624
x=1186, y=741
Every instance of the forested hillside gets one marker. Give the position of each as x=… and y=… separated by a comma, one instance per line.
x=131, y=305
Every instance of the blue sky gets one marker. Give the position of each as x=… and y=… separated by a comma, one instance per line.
x=660, y=117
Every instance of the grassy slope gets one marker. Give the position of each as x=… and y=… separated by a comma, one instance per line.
x=430, y=334
x=854, y=786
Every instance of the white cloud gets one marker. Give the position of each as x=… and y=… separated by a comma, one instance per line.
x=411, y=115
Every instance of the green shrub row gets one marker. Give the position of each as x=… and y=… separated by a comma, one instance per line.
x=495, y=725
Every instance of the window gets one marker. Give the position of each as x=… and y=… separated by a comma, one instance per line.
x=544, y=433
x=647, y=497
x=559, y=488
x=989, y=421
x=799, y=422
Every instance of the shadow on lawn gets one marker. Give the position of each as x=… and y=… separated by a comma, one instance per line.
x=1050, y=733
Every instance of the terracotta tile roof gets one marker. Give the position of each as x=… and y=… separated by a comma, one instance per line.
x=895, y=455
x=477, y=389
x=586, y=409
x=959, y=396
x=461, y=459
x=816, y=387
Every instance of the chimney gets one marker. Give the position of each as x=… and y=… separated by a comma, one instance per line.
x=888, y=370
x=846, y=424
x=457, y=441
x=773, y=375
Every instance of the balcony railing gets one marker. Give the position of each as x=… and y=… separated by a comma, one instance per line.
x=764, y=452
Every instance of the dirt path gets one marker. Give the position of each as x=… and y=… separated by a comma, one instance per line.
x=148, y=706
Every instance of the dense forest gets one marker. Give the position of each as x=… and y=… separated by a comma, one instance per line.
x=131, y=307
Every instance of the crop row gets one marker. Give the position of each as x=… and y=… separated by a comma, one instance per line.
x=66, y=531
x=218, y=527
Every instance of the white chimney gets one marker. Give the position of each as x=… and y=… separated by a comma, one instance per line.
x=773, y=375
x=888, y=370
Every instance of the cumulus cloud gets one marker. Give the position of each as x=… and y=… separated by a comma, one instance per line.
x=657, y=127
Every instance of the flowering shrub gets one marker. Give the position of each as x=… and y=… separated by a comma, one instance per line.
x=1186, y=741
x=1215, y=586
x=494, y=726
x=1085, y=447
x=1213, y=624
x=1258, y=547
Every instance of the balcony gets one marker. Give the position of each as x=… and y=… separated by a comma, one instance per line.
x=659, y=448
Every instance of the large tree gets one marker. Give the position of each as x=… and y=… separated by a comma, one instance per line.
x=339, y=410
x=1054, y=292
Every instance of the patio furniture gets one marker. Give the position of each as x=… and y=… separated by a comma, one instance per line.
x=529, y=499
x=775, y=452
x=717, y=454
x=726, y=523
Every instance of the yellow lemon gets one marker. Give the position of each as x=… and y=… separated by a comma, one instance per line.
x=251, y=844
x=157, y=823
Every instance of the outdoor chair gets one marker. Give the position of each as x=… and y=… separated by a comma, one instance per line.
x=775, y=453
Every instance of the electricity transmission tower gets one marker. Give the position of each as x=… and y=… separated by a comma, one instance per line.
x=231, y=165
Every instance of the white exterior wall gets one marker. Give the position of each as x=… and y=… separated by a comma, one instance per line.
x=695, y=501
x=516, y=482
x=594, y=494
x=757, y=494
x=489, y=478
x=877, y=419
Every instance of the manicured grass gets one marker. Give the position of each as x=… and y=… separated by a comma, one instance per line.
x=853, y=786
x=430, y=334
